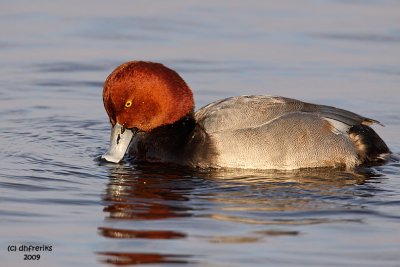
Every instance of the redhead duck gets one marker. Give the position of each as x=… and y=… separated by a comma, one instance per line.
x=151, y=110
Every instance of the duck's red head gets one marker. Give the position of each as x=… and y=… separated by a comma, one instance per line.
x=142, y=96
x=146, y=95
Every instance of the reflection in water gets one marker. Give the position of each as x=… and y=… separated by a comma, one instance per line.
x=144, y=196
x=121, y=233
x=271, y=203
x=121, y=258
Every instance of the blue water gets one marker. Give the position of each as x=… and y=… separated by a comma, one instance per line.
x=54, y=191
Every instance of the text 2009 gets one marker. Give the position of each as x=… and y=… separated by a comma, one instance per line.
x=31, y=257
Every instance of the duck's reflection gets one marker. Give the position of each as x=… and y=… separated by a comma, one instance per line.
x=136, y=195
x=156, y=234
x=124, y=258
x=144, y=197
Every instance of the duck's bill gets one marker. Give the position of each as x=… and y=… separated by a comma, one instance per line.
x=119, y=142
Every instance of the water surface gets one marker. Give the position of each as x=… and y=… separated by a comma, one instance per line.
x=54, y=191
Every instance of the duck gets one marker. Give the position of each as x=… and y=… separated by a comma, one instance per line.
x=152, y=117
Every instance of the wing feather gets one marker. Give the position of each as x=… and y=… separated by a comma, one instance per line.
x=252, y=111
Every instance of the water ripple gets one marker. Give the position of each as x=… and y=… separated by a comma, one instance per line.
x=359, y=37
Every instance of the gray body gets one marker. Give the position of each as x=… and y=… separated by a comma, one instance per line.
x=263, y=132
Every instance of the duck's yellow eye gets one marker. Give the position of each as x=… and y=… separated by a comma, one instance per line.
x=128, y=104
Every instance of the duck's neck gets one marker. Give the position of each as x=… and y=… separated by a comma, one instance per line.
x=165, y=143
x=180, y=128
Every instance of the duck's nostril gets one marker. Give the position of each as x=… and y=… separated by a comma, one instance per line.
x=118, y=144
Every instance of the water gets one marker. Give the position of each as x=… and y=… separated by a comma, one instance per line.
x=55, y=192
